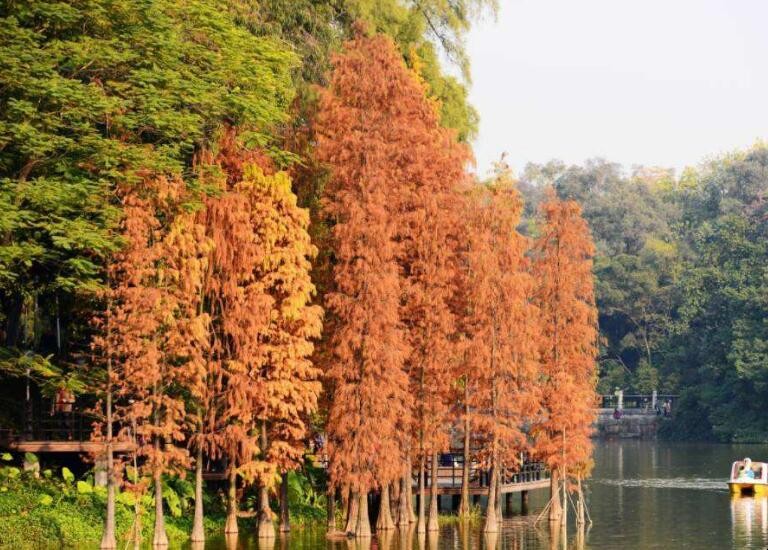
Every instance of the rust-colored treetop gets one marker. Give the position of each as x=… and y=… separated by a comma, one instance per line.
x=290, y=381
x=144, y=322
x=502, y=320
x=261, y=385
x=565, y=294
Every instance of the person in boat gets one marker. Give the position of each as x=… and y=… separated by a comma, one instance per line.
x=746, y=471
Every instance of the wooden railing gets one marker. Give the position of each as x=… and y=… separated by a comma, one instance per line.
x=451, y=469
x=42, y=421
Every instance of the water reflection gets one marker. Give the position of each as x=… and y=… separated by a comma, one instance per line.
x=749, y=519
x=644, y=496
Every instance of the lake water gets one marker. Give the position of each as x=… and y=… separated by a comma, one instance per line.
x=643, y=495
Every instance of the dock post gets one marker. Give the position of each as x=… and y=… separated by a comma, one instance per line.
x=524, y=502
x=508, y=503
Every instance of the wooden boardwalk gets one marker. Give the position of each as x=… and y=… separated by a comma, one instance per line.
x=92, y=447
x=529, y=477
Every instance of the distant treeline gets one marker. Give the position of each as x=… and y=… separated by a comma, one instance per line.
x=682, y=283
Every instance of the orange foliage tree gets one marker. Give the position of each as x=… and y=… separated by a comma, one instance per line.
x=141, y=343
x=257, y=291
x=290, y=380
x=502, y=393
x=430, y=168
x=568, y=347
x=360, y=124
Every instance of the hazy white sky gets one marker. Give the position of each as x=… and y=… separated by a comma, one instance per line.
x=654, y=82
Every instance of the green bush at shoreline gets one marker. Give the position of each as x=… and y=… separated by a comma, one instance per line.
x=53, y=509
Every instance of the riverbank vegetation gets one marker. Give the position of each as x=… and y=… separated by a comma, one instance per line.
x=238, y=238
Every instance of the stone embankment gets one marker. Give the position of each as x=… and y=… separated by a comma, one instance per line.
x=634, y=423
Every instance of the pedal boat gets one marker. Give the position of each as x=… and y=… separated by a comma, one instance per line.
x=742, y=483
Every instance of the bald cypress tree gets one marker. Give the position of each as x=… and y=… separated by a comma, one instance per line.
x=360, y=123
x=568, y=347
x=502, y=395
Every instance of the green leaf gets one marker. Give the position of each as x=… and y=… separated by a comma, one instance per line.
x=31, y=458
x=127, y=498
x=6, y=457
x=84, y=488
x=173, y=501
x=46, y=500
x=47, y=473
x=67, y=474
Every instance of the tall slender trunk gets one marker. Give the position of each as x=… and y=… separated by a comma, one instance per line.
x=285, y=521
x=405, y=506
x=266, y=527
x=363, y=530
x=433, y=525
x=160, y=540
x=352, y=512
x=409, y=491
x=464, y=505
x=555, y=508
x=198, y=531
x=230, y=527
x=384, y=521
x=421, y=526
x=108, y=537
x=136, y=527
x=580, y=506
x=491, y=517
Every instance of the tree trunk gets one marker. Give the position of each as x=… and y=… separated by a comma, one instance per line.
x=580, y=520
x=555, y=508
x=384, y=521
x=136, y=527
x=421, y=526
x=160, y=540
x=198, y=531
x=464, y=505
x=352, y=512
x=405, y=507
x=230, y=527
x=285, y=520
x=108, y=537
x=433, y=525
x=499, y=514
x=266, y=529
x=409, y=491
x=491, y=517
x=363, y=530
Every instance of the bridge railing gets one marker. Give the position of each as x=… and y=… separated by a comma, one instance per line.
x=643, y=402
x=451, y=469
